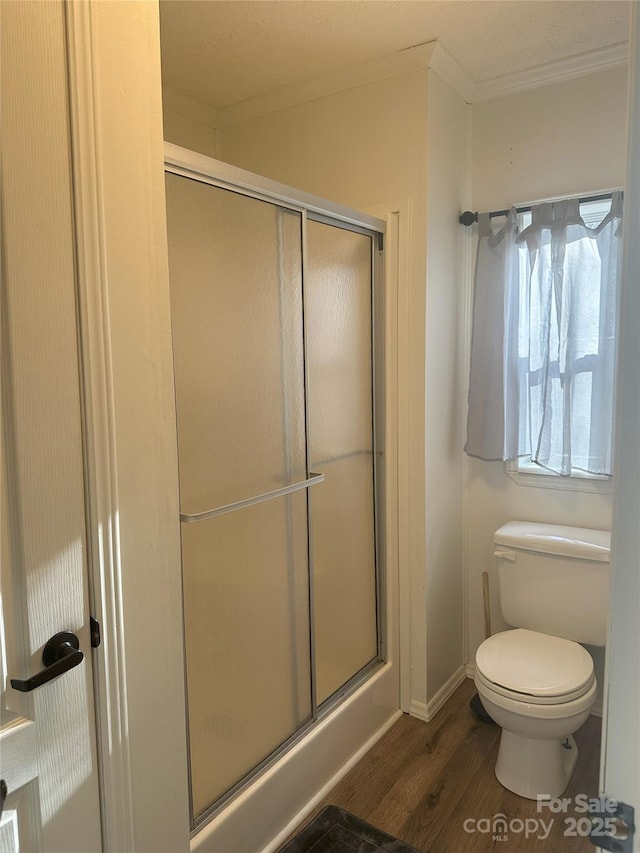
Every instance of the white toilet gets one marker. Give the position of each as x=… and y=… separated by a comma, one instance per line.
x=536, y=681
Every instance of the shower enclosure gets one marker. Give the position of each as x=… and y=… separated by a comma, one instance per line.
x=276, y=315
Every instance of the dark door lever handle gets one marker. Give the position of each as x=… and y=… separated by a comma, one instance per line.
x=60, y=654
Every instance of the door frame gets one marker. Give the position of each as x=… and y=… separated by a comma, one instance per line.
x=129, y=421
x=620, y=766
x=131, y=463
x=114, y=66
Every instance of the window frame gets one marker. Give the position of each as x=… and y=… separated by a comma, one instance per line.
x=527, y=473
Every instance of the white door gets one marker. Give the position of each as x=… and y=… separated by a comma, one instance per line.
x=47, y=734
x=620, y=776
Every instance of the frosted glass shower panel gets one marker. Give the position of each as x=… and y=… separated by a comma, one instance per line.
x=236, y=303
x=235, y=269
x=338, y=315
x=246, y=596
x=272, y=337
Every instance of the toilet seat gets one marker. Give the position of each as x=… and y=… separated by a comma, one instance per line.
x=535, y=668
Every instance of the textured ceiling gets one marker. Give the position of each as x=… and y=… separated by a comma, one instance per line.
x=221, y=52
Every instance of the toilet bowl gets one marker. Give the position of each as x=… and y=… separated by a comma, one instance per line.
x=540, y=689
x=535, y=680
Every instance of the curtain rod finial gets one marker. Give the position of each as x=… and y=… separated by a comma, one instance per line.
x=468, y=217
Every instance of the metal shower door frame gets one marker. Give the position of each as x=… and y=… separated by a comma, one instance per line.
x=189, y=164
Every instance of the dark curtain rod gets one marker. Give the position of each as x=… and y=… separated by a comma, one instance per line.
x=469, y=217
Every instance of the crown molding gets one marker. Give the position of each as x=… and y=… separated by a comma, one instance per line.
x=553, y=72
x=178, y=103
x=431, y=55
x=392, y=65
x=449, y=69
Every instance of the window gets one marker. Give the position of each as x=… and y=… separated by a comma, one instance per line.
x=543, y=347
x=590, y=318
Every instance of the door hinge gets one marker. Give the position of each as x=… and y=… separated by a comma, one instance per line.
x=94, y=626
x=612, y=826
x=380, y=241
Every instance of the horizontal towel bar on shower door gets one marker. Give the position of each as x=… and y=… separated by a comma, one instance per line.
x=267, y=496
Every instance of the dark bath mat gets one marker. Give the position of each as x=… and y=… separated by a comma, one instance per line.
x=336, y=831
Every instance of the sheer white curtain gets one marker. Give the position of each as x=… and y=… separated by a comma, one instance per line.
x=544, y=339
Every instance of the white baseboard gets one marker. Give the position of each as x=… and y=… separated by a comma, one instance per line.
x=322, y=793
x=427, y=712
x=419, y=710
x=470, y=669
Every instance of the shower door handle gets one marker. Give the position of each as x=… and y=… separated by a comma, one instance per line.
x=191, y=518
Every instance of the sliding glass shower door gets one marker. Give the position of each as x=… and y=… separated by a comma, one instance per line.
x=272, y=333
x=338, y=307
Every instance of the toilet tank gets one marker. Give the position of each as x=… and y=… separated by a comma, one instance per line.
x=554, y=579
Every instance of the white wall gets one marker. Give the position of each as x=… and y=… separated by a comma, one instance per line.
x=563, y=139
x=552, y=141
x=448, y=185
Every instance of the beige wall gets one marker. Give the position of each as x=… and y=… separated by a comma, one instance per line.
x=190, y=133
x=365, y=147
x=563, y=139
x=358, y=147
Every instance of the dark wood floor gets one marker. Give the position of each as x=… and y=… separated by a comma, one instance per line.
x=422, y=781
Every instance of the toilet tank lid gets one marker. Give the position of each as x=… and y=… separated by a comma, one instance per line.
x=561, y=540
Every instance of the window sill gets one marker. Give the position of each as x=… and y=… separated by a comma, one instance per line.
x=529, y=474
